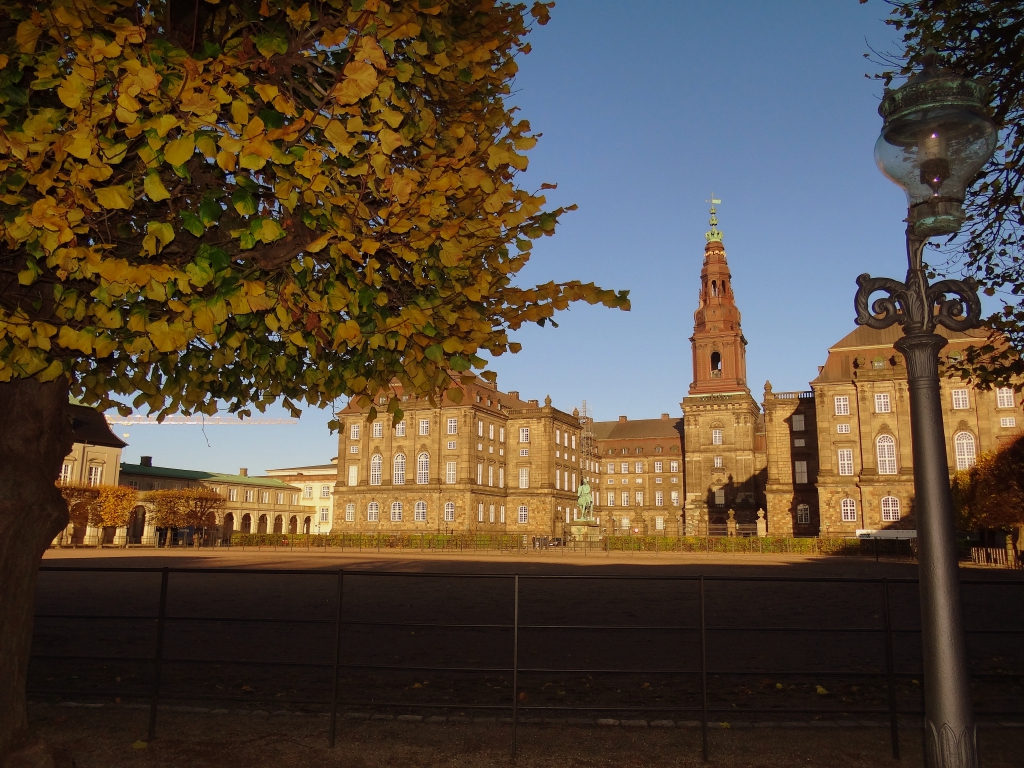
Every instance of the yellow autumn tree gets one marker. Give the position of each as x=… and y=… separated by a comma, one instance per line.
x=185, y=507
x=210, y=204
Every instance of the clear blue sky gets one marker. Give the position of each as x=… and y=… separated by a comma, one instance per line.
x=646, y=108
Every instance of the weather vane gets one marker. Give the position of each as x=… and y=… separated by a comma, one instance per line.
x=714, y=235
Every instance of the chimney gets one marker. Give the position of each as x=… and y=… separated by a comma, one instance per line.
x=146, y=461
x=532, y=402
x=623, y=418
x=244, y=472
x=514, y=394
x=664, y=417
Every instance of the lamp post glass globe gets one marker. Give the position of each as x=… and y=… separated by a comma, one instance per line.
x=936, y=138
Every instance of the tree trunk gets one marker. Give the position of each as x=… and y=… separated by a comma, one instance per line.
x=35, y=436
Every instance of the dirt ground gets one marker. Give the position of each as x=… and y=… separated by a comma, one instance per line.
x=105, y=739
x=642, y=661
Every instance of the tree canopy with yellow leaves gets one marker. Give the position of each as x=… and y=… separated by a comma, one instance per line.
x=210, y=204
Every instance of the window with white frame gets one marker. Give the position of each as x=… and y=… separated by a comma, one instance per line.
x=800, y=472
x=501, y=514
x=843, y=429
x=449, y=511
x=350, y=513
x=480, y=512
x=716, y=437
x=625, y=467
x=882, y=402
x=453, y=426
x=353, y=449
x=423, y=468
x=611, y=499
x=675, y=498
x=673, y=466
x=65, y=473
x=885, y=447
x=501, y=477
x=964, y=449
x=398, y=470
x=659, y=523
x=803, y=514
x=639, y=498
x=480, y=429
x=573, y=481
x=265, y=497
x=419, y=512
x=233, y=494
x=524, y=434
x=960, y=400
x=372, y=512
x=1007, y=421
x=479, y=474
x=1004, y=397
x=501, y=434
x=624, y=522
x=325, y=514
x=376, y=469
x=890, y=509
x=378, y=429
x=295, y=499
x=490, y=431
x=307, y=492
x=94, y=475
x=845, y=461
x=490, y=514
x=524, y=477
x=524, y=451
x=659, y=498
x=451, y=445
x=424, y=426
x=451, y=471
x=280, y=498
x=611, y=467
x=849, y=510
x=658, y=466
x=558, y=437
x=842, y=405
x=718, y=461
x=490, y=475
x=798, y=422
x=248, y=496
x=574, y=441
x=720, y=497
x=325, y=491
x=638, y=467
x=396, y=512
x=353, y=432
x=624, y=498
x=524, y=515
x=400, y=429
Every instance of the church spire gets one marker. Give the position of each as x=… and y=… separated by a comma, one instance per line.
x=719, y=349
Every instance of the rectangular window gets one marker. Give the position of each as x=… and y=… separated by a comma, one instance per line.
x=501, y=513
x=659, y=523
x=524, y=477
x=480, y=512
x=490, y=513
x=800, y=472
x=450, y=471
x=574, y=442
x=353, y=432
x=325, y=490
x=280, y=498
x=658, y=466
x=353, y=449
x=325, y=514
x=849, y=510
x=718, y=461
x=400, y=429
x=396, y=512
x=960, y=400
x=803, y=514
x=720, y=497
x=94, y=475
x=673, y=466
x=625, y=467
x=453, y=426
x=501, y=435
x=307, y=492
x=449, y=511
x=490, y=431
x=524, y=434
x=248, y=497
x=1007, y=421
x=424, y=426
x=490, y=475
x=882, y=402
x=232, y=494
x=659, y=498
x=611, y=467
x=524, y=515
x=419, y=512
x=842, y=405
x=451, y=445
x=378, y=429
x=350, y=513
x=611, y=499
x=845, y=461
x=373, y=512
x=558, y=479
x=295, y=499
x=638, y=467
x=265, y=497
x=479, y=474
x=625, y=498
x=479, y=429
x=843, y=429
x=675, y=498
x=798, y=422
x=799, y=442
x=716, y=437
x=524, y=451
x=639, y=498
x=1004, y=397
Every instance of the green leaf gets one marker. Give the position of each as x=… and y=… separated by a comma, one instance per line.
x=244, y=202
x=192, y=223
x=270, y=43
x=272, y=118
x=434, y=352
x=459, y=363
x=210, y=211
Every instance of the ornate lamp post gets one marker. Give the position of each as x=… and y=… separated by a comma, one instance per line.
x=936, y=137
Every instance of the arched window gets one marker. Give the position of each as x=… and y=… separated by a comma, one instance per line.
x=449, y=511
x=373, y=512
x=376, y=468
x=420, y=512
x=716, y=365
x=803, y=514
x=878, y=363
x=890, y=509
x=423, y=468
x=396, y=512
x=714, y=288
x=885, y=447
x=849, y=508
x=398, y=476
x=524, y=514
x=966, y=453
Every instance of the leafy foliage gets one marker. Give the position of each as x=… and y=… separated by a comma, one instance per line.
x=250, y=201
x=991, y=493
x=184, y=508
x=99, y=505
x=984, y=39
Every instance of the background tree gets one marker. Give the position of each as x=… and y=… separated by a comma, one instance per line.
x=990, y=495
x=983, y=39
x=81, y=499
x=114, y=506
x=207, y=203
x=184, y=508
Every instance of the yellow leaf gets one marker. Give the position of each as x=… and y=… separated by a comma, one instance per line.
x=342, y=141
x=81, y=144
x=114, y=197
x=71, y=90
x=389, y=140
x=155, y=189
x=360, y=81
x=267, y=92
x=26, y=36
x=370, y=50
x=226, y=160
x=178, y=152
x=335, y=37
x=240, y=112
x=299, y=17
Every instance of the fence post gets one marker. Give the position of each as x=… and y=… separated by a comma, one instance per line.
x=158, y=655
x=890, y=671
x=876, y=550
x=703, y=678
x=337, y=657
x=515, y=665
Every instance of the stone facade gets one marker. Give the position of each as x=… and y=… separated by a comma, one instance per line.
x=490, y=463
x=791, y=437
x=317, y=483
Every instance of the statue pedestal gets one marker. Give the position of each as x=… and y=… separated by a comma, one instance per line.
x=585, y=530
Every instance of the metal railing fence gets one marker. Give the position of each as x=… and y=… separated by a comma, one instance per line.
x=334, y=699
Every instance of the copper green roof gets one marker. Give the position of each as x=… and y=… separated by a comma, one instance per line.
x=192, y=474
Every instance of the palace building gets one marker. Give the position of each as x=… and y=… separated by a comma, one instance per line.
x=833, y=460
